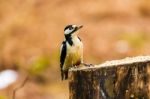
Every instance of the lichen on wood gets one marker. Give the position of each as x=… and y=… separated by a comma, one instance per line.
x=128, y=78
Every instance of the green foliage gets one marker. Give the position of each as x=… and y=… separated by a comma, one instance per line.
x=39, y=65
x=136, y=40
x=2, y=97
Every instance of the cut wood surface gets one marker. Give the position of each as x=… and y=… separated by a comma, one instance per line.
x=127, y=78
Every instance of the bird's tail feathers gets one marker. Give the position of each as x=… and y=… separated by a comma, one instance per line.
x=64, y=75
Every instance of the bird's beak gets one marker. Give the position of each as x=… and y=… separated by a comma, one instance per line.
x=79, y=27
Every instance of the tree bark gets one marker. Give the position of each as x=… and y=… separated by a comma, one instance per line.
x=128, y=78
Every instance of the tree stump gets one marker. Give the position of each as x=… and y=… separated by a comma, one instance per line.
x=127, y=78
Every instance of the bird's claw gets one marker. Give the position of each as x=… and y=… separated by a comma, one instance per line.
x=87, y=65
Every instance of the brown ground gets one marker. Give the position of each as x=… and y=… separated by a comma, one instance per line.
x=31, y=32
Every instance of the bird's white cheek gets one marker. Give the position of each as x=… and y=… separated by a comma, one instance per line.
x=68, y=31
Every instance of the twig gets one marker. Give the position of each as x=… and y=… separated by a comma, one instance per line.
x=21, y=86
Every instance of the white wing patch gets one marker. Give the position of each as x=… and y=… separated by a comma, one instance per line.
x=61, y=48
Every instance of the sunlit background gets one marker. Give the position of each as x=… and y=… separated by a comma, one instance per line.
x=31, y=32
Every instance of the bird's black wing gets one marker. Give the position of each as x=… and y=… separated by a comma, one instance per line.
x=63, y=53
x=62, y=57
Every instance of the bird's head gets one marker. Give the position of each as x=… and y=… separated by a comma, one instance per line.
x=71, y=29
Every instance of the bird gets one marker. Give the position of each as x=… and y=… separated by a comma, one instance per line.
x=71, y=51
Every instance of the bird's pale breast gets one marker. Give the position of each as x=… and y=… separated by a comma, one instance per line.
x=74, y=53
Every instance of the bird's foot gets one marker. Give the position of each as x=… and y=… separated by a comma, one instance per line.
x=75, y=66
x=87, y=65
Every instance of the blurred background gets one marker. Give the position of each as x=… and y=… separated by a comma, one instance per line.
x=31, y=32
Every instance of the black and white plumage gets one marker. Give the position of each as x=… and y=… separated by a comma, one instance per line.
x=71, y=50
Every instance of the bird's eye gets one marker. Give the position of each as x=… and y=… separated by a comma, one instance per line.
x=70, y=28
